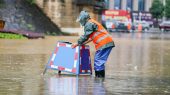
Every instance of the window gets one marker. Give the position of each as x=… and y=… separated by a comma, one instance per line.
x=129, y=4
x=117, y=4
x=141, y=5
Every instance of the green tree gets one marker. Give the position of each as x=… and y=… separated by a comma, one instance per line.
x=167, y=9
x=157, y=10
x=1, y=3
x=31, y=1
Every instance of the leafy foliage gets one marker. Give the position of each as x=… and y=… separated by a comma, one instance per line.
x=1, y=3
x=167, y=9
x=11, y=36
x=157, y=9
x=31, y=1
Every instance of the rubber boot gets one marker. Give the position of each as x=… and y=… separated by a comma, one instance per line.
x=96, y=74
x=100, y=74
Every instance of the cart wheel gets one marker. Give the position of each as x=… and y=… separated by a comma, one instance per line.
x=59, y=72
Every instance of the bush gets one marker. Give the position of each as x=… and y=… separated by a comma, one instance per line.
x=11, y=36
x=31, y=1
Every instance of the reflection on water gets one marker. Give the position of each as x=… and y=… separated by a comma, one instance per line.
x=67, y=86
x=62, y=85
x=138, y=65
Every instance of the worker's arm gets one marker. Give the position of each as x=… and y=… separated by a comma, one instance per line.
x=89, y=28
x=86, y=42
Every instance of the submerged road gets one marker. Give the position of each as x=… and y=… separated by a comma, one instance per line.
x=138, y=65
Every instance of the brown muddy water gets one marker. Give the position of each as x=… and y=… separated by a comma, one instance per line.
x=138, y=65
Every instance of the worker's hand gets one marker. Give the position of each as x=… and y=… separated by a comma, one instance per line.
x=74, y=45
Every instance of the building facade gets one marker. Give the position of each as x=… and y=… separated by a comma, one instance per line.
x=133, y=5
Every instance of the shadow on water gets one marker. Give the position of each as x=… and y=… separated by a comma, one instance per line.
x=135, y=67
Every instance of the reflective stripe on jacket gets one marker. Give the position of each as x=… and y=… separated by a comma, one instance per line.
x=101, y=36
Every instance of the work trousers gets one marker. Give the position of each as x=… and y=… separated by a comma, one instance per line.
x=100, y=58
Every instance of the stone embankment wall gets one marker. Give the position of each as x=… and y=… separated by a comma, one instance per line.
x=64, y=13
x=21, y=15
x=61, y=12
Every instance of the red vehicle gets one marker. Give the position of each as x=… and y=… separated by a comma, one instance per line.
x=164, y=26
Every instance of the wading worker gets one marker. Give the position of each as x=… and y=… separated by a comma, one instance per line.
x=94, y=31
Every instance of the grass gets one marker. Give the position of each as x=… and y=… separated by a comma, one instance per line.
x=11, y=36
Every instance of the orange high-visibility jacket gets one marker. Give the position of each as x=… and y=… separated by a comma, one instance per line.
x=101, y=36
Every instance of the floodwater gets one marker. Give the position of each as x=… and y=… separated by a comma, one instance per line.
x=138, y=65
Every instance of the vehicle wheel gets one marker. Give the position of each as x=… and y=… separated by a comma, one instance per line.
x=59, y=72
x=146, y=29
x=162, y=30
